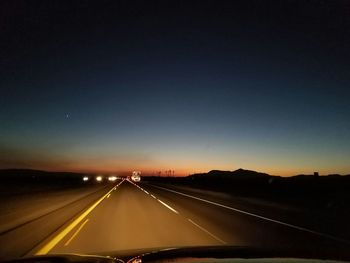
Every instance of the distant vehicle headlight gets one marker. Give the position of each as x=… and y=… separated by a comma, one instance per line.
x=99, y=178
x=112, y=178
x=85, y=178
x=136, y=178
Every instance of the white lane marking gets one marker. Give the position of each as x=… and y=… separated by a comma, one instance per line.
x=172, y=209
x=139, y=187
x=76, y=232
x=259, y=216
x=206, y=231
x=168, y=206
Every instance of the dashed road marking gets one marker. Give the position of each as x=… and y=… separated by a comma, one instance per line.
x=258, y=216
x=176, y=212
x=206, y=231
x=168, y=206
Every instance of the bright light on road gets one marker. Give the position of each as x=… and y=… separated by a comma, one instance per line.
x=136, y=176
x=85, y=178
x=112, y=178
x=99, y=178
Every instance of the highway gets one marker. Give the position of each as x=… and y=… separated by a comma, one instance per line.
x=144, y=215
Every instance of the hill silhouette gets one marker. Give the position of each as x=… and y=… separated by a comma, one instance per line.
x=240, y=173
x=326, y=191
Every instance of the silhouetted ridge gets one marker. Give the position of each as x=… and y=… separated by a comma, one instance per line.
x=237, y=174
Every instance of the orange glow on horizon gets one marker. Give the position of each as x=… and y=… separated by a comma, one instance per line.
x=177, y=172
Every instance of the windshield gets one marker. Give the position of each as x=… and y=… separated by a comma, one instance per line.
x=135, y=125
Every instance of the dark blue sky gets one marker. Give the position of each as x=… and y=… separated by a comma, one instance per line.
x=189, y=86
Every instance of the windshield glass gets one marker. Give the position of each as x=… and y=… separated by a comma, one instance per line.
x=132, y=125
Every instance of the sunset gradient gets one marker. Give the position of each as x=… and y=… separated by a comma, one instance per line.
x=117, y=90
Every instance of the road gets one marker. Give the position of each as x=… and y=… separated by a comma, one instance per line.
x=132, y=216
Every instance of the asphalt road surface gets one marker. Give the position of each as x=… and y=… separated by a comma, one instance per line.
x=134, y=216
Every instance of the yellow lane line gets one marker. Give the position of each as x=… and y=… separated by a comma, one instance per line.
x=76, y=232
x=53, y=242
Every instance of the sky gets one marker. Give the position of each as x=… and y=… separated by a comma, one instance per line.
x=191, y=86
